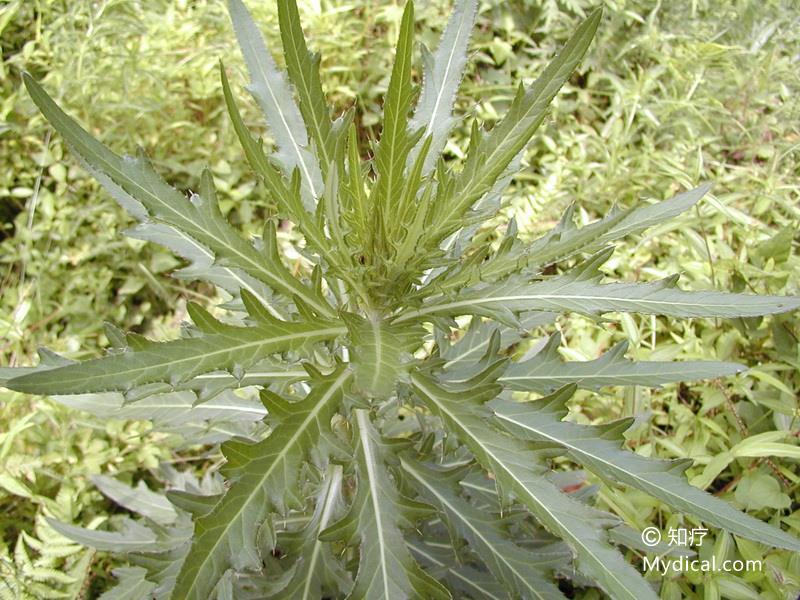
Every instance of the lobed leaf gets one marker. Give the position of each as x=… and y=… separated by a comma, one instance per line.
x=546, y=372
x=273, y=93
x=176, y=361
x=517, y=470
x=386, y=569
x=264, y=475
x=598, y=449
x=526, y=573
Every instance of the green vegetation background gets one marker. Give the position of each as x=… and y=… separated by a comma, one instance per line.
x=672, y=93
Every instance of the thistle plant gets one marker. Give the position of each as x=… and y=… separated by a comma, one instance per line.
x=377, y=424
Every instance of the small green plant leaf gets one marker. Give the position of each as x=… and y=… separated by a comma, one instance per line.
x=319, y=573
x=525, y=573
x=488, y=159
x=381, y=352
x=303, y=69
x=580, y=290
x=598, y=449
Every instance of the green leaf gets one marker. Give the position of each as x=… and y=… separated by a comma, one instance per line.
x=132, y=585
x=598, y=449
x=386, y=570
x=487, y=160
x=395, y=143
x=264, y=479
x=303, y=69
x=439, y=556
x=176, y=361
x=546, y=372
x=380, y=352
x=580, y=290
x=566, y=240
x=140, y=499
x=441, y=78
x=525, y=573
x=273, y=93
x=518, y=471
x=134, y=183
x=319, y=573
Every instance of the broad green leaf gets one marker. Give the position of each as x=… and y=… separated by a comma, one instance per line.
x=199, y=218
x=580, y=290
x=518, y=471
x=442, y=72
x=598, y=449
x=303, y=69
x=546, y=372
x=273, y=93
x=176, y=361
x=380, y=352
x=264, y=479
x=487, y=161
x=526, y=573
x=386, y=570
x=319, y=573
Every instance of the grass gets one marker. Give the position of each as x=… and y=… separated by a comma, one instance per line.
x=671, y=94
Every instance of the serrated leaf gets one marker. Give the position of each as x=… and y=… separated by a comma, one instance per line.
x=441, y=77
x=264, y=476
x=580, y=290
x=134, y=537
x=525, y=573
x=488, y=160
x=546, y=372
x=395, y=143
x=273, y=93
x=303, y=69
x=518, y=470
x=480, y=585
x=386, y=570
x=599, y=451
x=176, y=361
x=132, y=584
x=200, y=218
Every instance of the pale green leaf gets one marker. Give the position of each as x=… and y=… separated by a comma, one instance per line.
x=319, y=573
x=526, y=573
x=546, y=372
x=386, y=570
x=441, y=76
x=598, y=449
x=380, y=352
x=580, y=290
x=176, y=361
x=264, y=478
x=518, y=471
x=273, y=93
